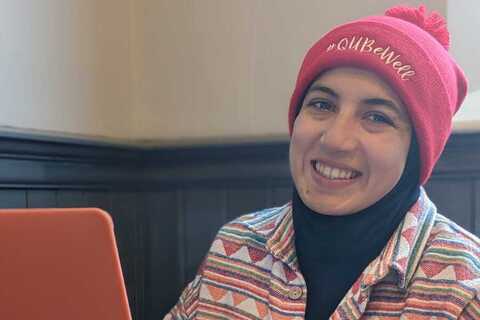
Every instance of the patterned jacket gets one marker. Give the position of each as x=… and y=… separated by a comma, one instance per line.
x=429, y=269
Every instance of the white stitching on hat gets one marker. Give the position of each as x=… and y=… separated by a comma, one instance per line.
x=386, y=54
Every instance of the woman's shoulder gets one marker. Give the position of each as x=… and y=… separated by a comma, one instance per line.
x=454, y=252
x=251, y=231
x=258, y=224
x=244, y=241
x=448, y=234
x=446, y=278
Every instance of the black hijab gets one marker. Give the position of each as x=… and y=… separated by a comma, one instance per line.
x=333, y=251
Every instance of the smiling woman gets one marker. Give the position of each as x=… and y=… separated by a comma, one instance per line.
x=351, y=123
x=354, y=162
x=369, y=117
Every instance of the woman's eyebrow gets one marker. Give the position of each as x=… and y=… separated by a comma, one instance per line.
x=384, y=102
x=327, y=90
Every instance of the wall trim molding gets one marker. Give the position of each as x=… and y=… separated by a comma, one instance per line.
x=49, y=162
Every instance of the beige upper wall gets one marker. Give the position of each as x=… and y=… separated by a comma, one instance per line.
x=463, y=23
x=64, y=66
x=177, y=69
x=216, y=69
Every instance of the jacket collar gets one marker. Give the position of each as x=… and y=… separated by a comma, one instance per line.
x=280, y=235
x=404, y=249
x=401, y=254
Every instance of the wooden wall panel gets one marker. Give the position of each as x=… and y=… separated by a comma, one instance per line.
x=476, y=207
x=11, y=199
x=164, y=282
x=128, y=210
x=70, y=198
x=245, y=200
x=280, y=195
x=454, y=199
x=204, y=214
x=41, y=198
x=98, y=199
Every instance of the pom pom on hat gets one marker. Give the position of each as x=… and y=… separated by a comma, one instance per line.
x=434, y=24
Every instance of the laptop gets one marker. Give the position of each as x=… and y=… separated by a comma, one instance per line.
x=60, y=264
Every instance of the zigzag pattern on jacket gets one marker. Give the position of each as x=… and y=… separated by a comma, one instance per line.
x=429, y=269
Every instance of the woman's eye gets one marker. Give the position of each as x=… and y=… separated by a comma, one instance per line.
x=379, y=118
x=321, y=105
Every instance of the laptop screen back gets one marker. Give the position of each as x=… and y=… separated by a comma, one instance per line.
x=60, y=264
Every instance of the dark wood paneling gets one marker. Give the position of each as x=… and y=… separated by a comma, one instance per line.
x=70, y=199
x=128, y=214
x=28, y=146
x=41, y=198
x=205, y=166
x=10, y=199
x=280, y=196
x=57, y=173
x=245, y=200
x=205, y=213
x=461, y=156
x=98, y=199
x=476, y=207
x=454, y=199
x=188, y=156
x=163, y=285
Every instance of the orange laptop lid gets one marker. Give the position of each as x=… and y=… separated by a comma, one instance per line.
x=60, y=264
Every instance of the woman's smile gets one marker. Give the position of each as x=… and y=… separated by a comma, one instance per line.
x=334, y=172
x=328, y=177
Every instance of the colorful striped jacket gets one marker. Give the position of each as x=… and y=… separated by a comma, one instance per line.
x=429, y=269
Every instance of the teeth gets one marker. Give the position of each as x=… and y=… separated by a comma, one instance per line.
x=327, y=171
x=335, y=173
x=332, y=173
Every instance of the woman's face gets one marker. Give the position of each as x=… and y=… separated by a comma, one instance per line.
x=349, y=142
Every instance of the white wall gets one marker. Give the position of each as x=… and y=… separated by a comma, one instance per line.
x=64, y=66
x=468, y=117
x=220, y=70
x=464, y=23
x=179, y=70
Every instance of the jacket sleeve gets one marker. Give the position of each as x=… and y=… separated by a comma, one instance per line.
x=186, y=307
x=187, y=303
x=472, y=310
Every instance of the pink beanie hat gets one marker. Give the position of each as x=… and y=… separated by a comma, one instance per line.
x=409, y=50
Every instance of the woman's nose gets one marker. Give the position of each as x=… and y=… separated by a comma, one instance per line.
x=339, y=135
